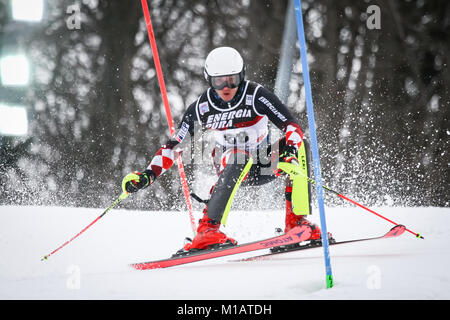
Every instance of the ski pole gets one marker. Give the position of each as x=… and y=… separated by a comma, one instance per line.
x=418, y=235
x=159, y=73
x=120, y=198
x=290, y=169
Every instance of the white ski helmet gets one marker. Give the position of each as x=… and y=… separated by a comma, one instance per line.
x=224, y=61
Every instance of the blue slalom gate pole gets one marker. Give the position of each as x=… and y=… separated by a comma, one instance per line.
x=313, y=137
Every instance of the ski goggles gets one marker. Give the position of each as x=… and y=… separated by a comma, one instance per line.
x=230, y=81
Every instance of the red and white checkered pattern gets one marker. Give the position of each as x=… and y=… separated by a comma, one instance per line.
x=226, y=157
x=294, y=135
x=162, y=161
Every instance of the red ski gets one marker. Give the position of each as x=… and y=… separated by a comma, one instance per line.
x=295, y=235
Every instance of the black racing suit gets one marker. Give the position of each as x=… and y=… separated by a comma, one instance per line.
x=240, y=130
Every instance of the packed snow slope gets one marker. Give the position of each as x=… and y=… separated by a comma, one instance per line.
x=96, y=264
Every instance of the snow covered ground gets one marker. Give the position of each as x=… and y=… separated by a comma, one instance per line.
x=95, y=265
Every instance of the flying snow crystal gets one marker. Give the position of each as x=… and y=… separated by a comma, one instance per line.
x=433, y=105
x=388, y=200
x=345, y=132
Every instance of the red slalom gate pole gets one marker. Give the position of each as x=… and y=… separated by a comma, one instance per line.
x=151, y=37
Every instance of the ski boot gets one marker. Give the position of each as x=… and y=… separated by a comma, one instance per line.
x=292, y=220
x=208, y=237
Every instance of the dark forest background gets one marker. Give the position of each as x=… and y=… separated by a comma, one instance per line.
x=381, y=96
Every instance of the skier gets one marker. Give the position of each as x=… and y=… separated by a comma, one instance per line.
x=237, y=112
